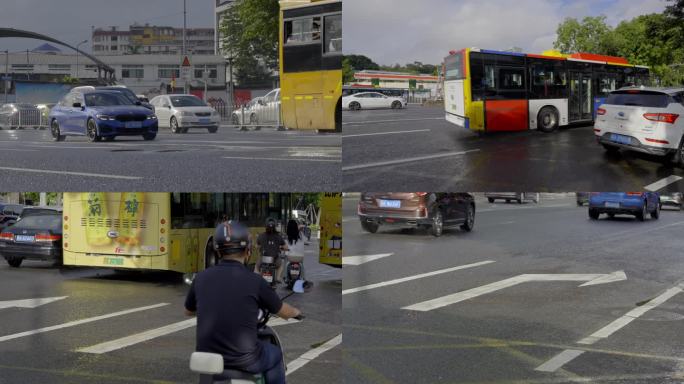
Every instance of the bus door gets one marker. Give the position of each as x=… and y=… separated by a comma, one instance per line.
x=580, y=99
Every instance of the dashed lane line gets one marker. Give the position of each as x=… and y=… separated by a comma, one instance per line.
x=390, y=121
x=358, y=260
x=30, y=170
x=306, y=358
x=385, y=133
x=559, y=360
x=281, y=159
x=660, y=184
x=409, y=160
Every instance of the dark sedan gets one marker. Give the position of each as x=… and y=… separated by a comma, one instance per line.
x=36, y=237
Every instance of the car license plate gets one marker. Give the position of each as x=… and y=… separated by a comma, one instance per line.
x=133, y=124
x=23, y=239
x=294, y=272
x=622, y=139
x=610, y=204
x=204, y=121
x=389, y=203
x=114, y=261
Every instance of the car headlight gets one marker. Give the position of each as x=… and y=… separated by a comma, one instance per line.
x=105, y=117
x=151, y=117
x=184, y=113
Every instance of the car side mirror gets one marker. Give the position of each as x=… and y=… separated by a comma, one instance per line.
x=261, y=102
x=138, y=103
x=77, y=105
x=168, y=106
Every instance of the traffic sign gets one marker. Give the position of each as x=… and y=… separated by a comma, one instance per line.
x=186, y=62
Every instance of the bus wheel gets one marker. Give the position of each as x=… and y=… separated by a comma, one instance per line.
x=547, y=120
x=209, y=255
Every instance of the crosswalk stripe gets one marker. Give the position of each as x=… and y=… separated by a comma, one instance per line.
x=79, y=322
x=306, y=358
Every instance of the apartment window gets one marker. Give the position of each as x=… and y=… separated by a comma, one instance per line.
x=114, y=38
x=213, y=72
x=113, y=48
x=132, y=71
x=59, y=67
x=22, y=67
x=167, y=71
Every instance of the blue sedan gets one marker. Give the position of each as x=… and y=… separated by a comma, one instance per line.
x=639, y=204
x=101, y=115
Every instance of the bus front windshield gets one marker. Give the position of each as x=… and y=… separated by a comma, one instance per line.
x=454, y=67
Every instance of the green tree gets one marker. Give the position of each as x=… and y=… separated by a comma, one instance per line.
x=590, y=35
x=250, y=35
x=347, y=71
x=361, y=62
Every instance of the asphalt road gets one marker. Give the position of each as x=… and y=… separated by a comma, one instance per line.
x=617, y=329
x=53, y=356
x=416, y=148
x=198, y=161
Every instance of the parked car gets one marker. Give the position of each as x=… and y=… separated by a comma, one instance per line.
x=639, y=204
x=245, y=114
x=267, y=110
x=36, y=237
x=429, y=210
x=671, y=200
x=582, y=198
x=520, y=197
x=372, y=100
x=643, y=119
x=19, y=115
x=182, y=112
x=101, y=115
x=9, y=213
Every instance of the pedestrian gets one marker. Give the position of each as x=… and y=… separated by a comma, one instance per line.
x=292, y=232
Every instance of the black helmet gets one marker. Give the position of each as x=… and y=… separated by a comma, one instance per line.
x=231, y=237
x=270, y=225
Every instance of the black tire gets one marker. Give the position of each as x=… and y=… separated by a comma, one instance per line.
x=547, y=119
x=369, y=227
x=610, y=148
x=437, y=227
x=234, y=120
x=655, y=215
x=91, y=131
x=396, y=105
x=173, y=125
x=354, y=106
x=56, y=132
x=149, y=136
x=520, y=201
x=641, y=216
x=213, y=129
x=14, y=261
x=490, y=199
x=470, y=219
x=678, y=157
x=594, y=214
x=254, y=120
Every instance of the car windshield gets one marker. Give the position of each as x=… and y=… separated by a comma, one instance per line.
x=639, y=99
x=99, y=99
x=52, y=222
x=187, y=101
x=126, y=92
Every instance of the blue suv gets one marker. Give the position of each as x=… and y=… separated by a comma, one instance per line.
x=639, y=204
x=101, y=114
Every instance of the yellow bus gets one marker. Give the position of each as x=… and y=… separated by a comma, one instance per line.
x=310, y=54
x=158, y=231
x=331, y=230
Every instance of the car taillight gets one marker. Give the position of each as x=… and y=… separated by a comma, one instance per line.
x=633, y=193
x=600, y=111
x=668, y=118
x=7, y=236
x=46, y=237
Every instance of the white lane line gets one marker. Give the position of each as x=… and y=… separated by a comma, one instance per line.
x=386, y=133
x=390, y=121
x=127, y=341
x=409, y=160
x=306, y=358
x=409, y=278
x=281, y=159
x=358, y=260
x=70, y=173
x=559, y=360
x=79, y=322
x=629, y=317
x=660, y=184
x=19, y=150
x=30, y=303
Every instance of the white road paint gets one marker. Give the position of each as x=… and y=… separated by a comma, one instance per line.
x=414, y=277
x=590, y=279
x=559, y=360
x=29, y=303
x=629, y=317
x=386, y=133
x=127, y=341
x=281, y=159
x=389, y=121
x=79, y=322
x=70, y=173
x=358, y=260
x=409, y=160
x=306, y=358
x=660, y=184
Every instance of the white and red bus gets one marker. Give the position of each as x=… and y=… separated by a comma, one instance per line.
x=493, y=91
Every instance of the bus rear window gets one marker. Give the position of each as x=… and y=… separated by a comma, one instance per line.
x=453, y=66
x=639, y=99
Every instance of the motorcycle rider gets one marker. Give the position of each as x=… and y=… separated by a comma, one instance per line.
x=226, y=299
x=271, y=243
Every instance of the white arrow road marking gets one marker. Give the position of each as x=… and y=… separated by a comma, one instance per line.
x=29, y=303
x=489, y=288
x=660, y=184
x=409, y=278
x=79, y=322
x=158, y=332
x=304, y=359
x=358, y=260
x=559, y=360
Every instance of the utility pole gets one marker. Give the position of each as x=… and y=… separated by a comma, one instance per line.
x=185, y=52
x=78, y=45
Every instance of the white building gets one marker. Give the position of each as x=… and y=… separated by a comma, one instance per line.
x=221, y=7
x=427, y=84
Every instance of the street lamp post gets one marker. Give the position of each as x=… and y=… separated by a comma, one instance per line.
x=78, y=45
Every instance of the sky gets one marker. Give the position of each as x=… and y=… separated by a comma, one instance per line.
x=71, y=20
x=404, y=31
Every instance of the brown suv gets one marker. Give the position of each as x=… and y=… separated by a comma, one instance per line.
x=430, y=210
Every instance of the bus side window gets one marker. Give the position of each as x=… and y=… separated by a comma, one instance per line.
x=333, y=34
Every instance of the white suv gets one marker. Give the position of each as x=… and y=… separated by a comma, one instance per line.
x=644, y=119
